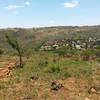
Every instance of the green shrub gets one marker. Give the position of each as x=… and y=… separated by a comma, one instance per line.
x=1, y=51
x=66, y=75
x=65, y=51
x=54, y=69
x=86, y=54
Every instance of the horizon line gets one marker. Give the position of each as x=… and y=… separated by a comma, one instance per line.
x=44, y=26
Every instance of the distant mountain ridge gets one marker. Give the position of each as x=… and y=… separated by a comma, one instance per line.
x=31, y=37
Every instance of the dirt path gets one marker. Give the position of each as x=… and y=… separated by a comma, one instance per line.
x=7, y=68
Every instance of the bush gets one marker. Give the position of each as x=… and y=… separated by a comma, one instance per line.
x=66, y=75
x=97, y=51
x=65, y=51
x=87, y=54
x=54, y=70
x=1, y=51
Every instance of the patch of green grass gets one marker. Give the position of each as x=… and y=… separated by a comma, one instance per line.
x=43, y=65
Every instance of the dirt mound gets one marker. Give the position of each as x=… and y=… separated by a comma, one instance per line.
x=7, y=68
x=4, y=72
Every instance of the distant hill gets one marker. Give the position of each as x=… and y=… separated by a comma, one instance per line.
x=32, y=37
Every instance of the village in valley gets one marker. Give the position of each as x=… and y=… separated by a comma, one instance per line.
x=73, y=43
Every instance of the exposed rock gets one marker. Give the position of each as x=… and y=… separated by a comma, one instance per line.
x=92, y=90
x=86, y=98
x=56, y=86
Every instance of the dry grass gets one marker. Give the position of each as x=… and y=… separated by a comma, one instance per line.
x=76, y=77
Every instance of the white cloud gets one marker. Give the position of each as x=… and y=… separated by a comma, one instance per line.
x=27, y=3
x=71, y=4
x=13, y=7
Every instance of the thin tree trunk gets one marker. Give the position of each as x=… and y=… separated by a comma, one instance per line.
x=20, y=58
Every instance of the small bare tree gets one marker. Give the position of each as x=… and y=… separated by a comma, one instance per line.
x=13, y=42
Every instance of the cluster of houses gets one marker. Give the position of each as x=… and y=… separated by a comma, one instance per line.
x=73, y=43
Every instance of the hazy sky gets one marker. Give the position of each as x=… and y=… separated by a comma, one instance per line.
x=32, y=13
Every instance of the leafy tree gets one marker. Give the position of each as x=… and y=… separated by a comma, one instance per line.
x=13, y=42
x=40, y=43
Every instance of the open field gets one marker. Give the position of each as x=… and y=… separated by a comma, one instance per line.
x=33, y=81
